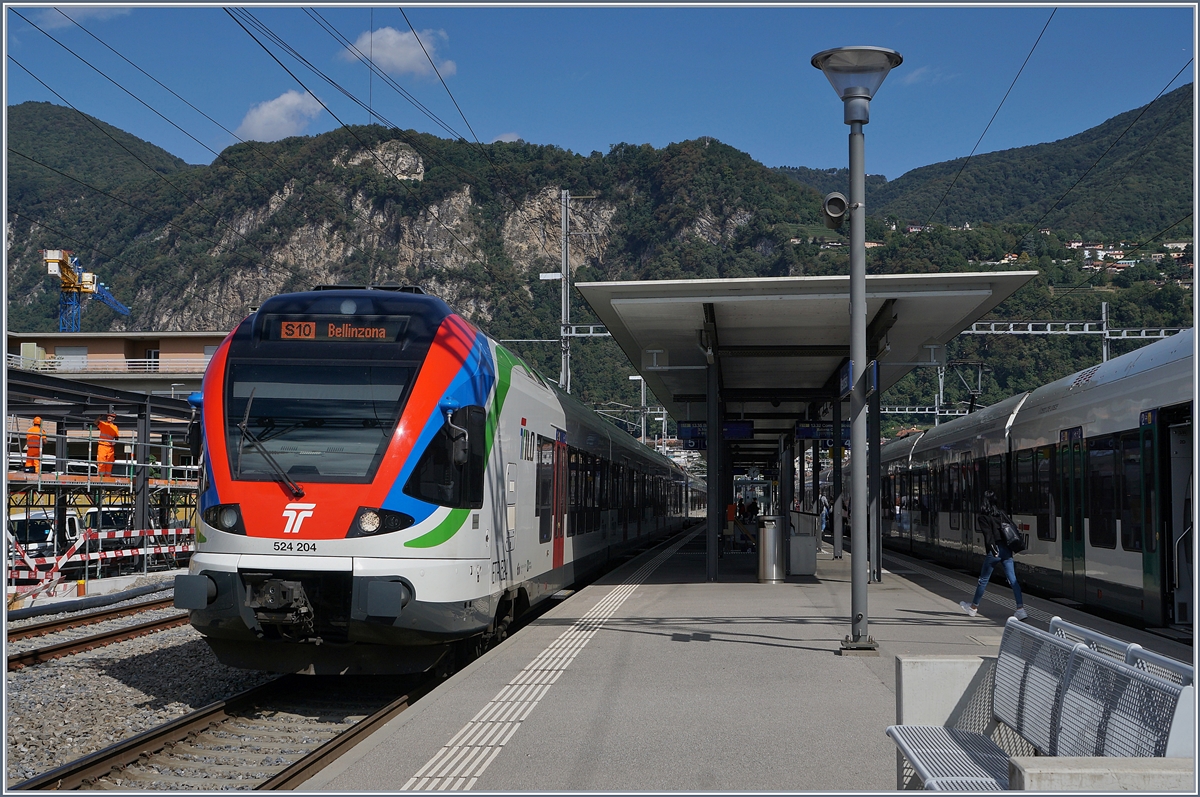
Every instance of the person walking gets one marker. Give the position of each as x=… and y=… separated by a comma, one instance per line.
x=34, y=439
x=105, y=450
x=988, y=524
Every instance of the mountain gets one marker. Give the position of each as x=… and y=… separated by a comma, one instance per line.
x=823, y=181
x=1115, y=181
x=194, y=247
x=47, y=142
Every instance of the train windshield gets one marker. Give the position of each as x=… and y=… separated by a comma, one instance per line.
x=311, y=422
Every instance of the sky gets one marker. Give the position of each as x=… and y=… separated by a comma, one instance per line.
x=586, y=78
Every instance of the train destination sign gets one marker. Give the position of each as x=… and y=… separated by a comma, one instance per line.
x=339, y=328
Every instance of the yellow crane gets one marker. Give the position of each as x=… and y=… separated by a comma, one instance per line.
x=74, y=283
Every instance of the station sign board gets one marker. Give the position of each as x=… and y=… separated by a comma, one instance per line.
x=693, y=435
x=737, y=430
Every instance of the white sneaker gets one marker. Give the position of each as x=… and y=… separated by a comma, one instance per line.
x=1020, y=614
x=966, y=607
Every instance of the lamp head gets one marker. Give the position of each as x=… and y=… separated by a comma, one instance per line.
x=856, y=73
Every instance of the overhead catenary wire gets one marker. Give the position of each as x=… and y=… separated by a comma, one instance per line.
x=994, y=114
x=338, y=202
x=100, y=72
x=132, y=154
x=374, y=69
x=481, y=260
x=1038, y=223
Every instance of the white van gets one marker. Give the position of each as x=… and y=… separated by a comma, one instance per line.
x=35, y=531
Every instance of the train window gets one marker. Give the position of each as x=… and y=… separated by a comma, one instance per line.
x=323, y=423
x=1104, y=485
x=1046, y=526
x=1024, y=492
x=450, y=472
x=996, y=482
x=1131, y=496
x=576, y=503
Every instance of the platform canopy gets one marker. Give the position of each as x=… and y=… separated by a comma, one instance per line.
x=779, y=344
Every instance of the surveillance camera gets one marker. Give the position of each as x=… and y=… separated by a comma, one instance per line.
x=834, y=210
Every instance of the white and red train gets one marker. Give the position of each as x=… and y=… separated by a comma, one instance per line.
x=382, y=481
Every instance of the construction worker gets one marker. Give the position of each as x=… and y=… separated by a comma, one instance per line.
x=105, y=452
x=33, y=447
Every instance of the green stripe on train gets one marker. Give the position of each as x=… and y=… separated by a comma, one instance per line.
x=454, y=522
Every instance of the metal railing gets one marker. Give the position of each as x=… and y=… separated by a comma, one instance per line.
x=94, y=365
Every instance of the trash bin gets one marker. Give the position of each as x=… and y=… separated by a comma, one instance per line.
x=770, y=550
x=802, y=553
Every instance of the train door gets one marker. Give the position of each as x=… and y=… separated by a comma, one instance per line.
x=1154, y=604
x=1180, y=562
x=560, y=495
x=1073, y=475
x=510, y=514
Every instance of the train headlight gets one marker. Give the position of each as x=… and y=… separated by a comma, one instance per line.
x=225, y=517
x=369, y=520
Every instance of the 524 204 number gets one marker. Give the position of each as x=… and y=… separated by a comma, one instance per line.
x=302, y=547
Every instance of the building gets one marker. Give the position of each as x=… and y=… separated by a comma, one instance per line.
x=160, y=363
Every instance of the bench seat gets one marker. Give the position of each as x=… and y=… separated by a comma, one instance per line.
x=950, y=759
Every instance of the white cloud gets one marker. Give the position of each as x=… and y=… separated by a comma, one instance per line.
x=509, y=137
x=50, y=18
x=925, y=74
x=286, y=115
x=398, y=53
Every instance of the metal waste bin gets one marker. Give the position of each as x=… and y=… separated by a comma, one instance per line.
x=802, y=551
x=770, y=550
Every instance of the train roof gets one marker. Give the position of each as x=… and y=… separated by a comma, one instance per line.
x=899, y=449
x=1110, y=397
x=981, y=433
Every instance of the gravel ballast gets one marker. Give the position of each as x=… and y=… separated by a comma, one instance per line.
x=64, y=709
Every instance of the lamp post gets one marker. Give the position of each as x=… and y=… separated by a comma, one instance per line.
x=856, y=74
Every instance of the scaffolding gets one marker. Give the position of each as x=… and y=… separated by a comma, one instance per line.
x=66, y=520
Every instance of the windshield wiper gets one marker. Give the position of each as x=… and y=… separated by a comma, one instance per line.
x=296, y=490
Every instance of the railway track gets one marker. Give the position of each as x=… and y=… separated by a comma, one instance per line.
x=48, y=652
x=91, y=618
x=275, y=736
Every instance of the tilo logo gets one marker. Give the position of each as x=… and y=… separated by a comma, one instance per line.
x=295, y=514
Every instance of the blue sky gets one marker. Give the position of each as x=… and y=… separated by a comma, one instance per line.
x=587, y=78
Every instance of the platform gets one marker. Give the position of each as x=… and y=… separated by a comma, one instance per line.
x=652, y=679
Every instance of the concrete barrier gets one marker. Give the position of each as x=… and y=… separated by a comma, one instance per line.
x=1062, y=773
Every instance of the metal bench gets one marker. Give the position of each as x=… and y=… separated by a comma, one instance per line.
x=1110, y=708
x=1130, y=652
x=1025, y=695
x=1113, y=707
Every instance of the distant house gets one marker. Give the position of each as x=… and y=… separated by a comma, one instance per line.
x=1074, y=244
x=1180, y=245
x=1010, y=257
x=1045, y=231
x=915, y=228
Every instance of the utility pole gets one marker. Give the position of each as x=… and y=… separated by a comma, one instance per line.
x=564, y=371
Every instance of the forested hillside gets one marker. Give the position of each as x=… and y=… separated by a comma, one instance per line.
x=193, y=247
x=1127, y=178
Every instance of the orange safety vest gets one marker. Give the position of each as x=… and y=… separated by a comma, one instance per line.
x=33, y=445
x=108, y=436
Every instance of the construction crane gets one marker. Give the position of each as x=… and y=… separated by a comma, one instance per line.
x=75, y=282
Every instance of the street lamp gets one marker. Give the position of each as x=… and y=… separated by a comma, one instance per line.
x=642, y=411
x=856, y=73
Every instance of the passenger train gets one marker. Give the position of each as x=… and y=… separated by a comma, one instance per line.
x=381, y=481
x=1096, y=470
